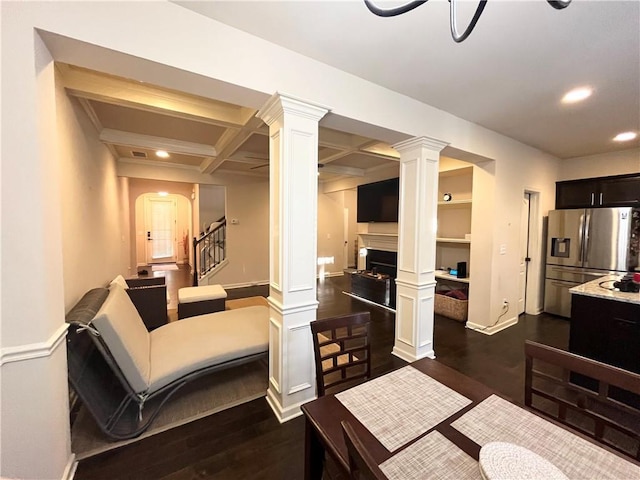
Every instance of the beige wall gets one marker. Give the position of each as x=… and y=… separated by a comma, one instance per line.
x=248, y=240
x=95, y=239
x=606, y=164
x=331, y=231
x=212, y=205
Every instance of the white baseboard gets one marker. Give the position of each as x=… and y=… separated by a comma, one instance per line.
x=229, y=286
x=330, y=274
x=283, y=415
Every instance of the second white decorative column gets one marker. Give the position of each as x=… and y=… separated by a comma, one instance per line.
x=419, y=158
x=293, y=205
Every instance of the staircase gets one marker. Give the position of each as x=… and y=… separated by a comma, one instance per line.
x=209, y=252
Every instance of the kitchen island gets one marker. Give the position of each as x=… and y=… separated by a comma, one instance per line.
x=605, y=324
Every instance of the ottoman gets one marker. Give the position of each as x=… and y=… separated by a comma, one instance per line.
x=199, y=300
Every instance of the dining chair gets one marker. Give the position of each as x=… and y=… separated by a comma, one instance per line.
x=362, y=466
x=599, y=400
x=342, y=351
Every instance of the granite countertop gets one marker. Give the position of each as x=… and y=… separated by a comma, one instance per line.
x=603, y=288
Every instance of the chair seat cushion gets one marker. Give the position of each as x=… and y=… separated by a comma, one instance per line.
x=200, y=293
x=191, y=344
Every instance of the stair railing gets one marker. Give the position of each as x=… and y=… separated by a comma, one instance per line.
x=209, y=250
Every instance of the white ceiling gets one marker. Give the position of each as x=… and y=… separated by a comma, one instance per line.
x=508, y=76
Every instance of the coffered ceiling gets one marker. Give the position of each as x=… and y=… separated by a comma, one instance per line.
x=136, y=119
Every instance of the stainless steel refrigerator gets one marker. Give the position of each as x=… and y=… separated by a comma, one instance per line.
x=584, y=244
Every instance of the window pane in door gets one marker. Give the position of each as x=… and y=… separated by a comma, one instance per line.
x=161, y=231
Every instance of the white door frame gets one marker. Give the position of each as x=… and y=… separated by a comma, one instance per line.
x=535, y=268
x=525, y=220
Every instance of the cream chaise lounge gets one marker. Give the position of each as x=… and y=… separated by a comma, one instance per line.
x=124, y=374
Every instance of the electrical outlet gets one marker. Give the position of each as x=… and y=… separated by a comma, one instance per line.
x=504, y=302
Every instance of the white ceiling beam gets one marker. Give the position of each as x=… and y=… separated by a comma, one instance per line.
x=128, y=139
x=231, y=141
x=91, y=85
x=155, y=163
x=339, y=170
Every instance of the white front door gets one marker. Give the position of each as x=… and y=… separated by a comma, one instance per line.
x=524, y=253
x=160, y=228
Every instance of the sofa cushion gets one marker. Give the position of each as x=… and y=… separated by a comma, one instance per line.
x=187, y=345
x=119, y=280
x=126, y=336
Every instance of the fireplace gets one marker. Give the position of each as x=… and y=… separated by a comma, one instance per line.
x=382, y=262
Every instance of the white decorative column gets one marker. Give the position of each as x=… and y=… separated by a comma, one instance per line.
x=293, y=206
x=416, y=283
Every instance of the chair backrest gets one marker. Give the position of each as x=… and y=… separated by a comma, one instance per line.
x=599, y=400
x=361, y=464
x=342, y=351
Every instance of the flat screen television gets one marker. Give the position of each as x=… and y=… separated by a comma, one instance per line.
x=378, y=202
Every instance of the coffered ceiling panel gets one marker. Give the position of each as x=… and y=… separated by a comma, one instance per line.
x=148, y=123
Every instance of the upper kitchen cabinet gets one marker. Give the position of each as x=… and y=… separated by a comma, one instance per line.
x=616, y=191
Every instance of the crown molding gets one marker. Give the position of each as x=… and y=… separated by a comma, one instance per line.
x=280, y=103
x=128, y=139
x=422, y=142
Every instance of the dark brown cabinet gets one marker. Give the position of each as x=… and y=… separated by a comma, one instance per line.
x=616, y=191
x=620, y=192
x=607, y=331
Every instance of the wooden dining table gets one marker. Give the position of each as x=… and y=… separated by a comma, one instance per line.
x=324, y=435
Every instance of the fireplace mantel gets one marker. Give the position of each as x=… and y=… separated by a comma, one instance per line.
x=380, y=241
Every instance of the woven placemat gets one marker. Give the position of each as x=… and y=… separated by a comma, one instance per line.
x=401, y=405
x=433, y=456
x=497, y=420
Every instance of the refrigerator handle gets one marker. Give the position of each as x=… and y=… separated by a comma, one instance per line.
x=587, y=228
x=580, y=237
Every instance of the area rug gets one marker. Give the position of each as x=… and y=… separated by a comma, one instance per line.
x=246, y=302
x=165, y=267
x=203, y=397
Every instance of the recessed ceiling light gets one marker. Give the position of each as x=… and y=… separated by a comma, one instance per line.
x=163, y=194
x=577, y=95
x=162, y=154
x=625, y=136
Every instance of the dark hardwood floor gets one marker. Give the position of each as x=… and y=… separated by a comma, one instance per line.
x=247, y=442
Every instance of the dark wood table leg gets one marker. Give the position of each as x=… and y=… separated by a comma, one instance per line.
x=313, y=453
